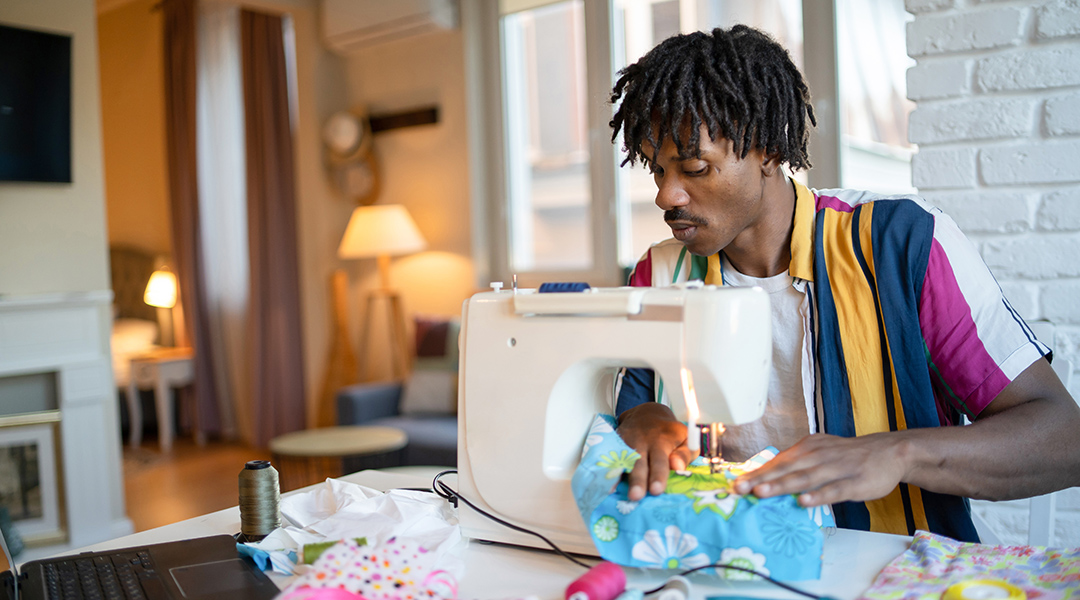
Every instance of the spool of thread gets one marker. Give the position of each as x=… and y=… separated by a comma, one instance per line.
x=605, y=581
x=983, y=589
x=260, y=496
x=675, y=588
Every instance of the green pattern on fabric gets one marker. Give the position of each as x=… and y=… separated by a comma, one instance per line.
x=606, y=528
x=935, y=562
x=617, y=462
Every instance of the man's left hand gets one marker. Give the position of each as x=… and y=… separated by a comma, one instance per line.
x=825, y=469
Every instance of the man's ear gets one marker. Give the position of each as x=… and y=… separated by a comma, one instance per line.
x=770, y=163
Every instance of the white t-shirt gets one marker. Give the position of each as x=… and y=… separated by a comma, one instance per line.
x=786, y=419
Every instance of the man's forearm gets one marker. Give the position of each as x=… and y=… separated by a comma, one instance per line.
x=1030, y=449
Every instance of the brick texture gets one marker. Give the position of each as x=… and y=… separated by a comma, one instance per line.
x=942, y=79
x=925, y=6
x=1058, y=19
x=1037, y=257
x=972, y=120
x=991, y=28
x=1029, y=70
x=1059, y=211
x=936, y=169
x=1061, y=302
x=1032, y=162
x=1062, y=114
x=985, y=211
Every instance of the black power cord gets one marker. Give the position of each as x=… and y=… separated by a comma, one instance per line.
x=452, y=496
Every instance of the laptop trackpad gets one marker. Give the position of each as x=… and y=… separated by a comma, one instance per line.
x=213, y=578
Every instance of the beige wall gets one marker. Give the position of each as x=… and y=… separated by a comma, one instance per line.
x=423, y=167
x=133, y=122
x=52, y=236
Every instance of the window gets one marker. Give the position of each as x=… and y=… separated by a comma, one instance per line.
x=552, y=203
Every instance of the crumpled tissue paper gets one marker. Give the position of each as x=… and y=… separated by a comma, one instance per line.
x=339, y=510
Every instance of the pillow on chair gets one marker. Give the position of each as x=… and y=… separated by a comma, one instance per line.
x=431, y=388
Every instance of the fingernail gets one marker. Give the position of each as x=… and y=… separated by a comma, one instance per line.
x=656, y=488
x=636, y=492
x=763, y=489
x=805, y=500
x=741, y=487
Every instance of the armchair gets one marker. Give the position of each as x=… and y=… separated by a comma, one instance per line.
x=424, y=406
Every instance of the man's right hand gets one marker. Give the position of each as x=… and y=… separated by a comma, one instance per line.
x=653, y=431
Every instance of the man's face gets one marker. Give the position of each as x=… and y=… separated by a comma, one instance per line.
x=710, y=199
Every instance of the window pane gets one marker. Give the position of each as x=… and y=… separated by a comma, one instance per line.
x=873, y=62
x=646, y=23
x=547, y=143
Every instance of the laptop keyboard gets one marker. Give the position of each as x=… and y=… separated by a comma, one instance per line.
x=125, y=575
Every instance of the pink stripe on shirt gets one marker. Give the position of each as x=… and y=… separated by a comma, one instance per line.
x=958, y=353
x=834, y=203
x=642, y=275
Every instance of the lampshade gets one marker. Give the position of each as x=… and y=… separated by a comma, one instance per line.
x=161, y=289
x=380, y=230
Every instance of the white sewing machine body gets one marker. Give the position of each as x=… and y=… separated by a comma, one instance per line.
x=535, y=369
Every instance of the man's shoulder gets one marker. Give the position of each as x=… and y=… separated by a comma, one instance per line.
x=889, y=212
x=847, y=200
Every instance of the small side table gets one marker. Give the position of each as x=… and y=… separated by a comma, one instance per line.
x=161, y=371
x=312, y=455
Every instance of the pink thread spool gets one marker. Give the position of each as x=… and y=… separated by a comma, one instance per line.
x=605, y=581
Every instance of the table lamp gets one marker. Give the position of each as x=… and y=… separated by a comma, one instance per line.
x=382, y=231
x=161, y=293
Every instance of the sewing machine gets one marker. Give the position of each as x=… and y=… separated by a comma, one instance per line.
x=537, y=367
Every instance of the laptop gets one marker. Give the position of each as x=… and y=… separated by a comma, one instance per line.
x=207, y=568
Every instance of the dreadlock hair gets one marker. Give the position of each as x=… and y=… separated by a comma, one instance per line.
x=739, y=82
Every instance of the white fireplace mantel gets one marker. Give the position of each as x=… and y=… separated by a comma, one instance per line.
x=68, y=334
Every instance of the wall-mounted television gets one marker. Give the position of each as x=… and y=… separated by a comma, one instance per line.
x=35, y=105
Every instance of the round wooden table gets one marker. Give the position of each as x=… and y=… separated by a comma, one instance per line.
x=312, y=455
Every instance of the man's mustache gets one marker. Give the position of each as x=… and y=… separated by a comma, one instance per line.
x=680, y=214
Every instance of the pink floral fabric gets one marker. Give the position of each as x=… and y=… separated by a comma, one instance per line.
x=933, y=563
x=394, y=570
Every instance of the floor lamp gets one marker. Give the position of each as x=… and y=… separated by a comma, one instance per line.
x=382, y=231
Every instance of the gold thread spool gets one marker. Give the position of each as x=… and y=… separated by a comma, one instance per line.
x=983, y=589
x=260, y=495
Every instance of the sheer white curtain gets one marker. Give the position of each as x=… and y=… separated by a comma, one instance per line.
x=223, y=206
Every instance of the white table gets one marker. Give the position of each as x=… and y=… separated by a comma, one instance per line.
x=852, y=558
x=161, y=371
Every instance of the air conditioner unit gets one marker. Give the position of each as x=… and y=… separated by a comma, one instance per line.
x=349, y=25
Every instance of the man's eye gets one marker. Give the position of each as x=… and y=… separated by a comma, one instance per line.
x=700, y=171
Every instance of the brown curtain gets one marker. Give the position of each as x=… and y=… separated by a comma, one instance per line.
x=179, y=41
x=277, y=392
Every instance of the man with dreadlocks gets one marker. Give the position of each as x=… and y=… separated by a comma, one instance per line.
x=888, y=328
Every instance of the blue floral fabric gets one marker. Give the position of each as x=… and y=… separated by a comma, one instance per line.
x=698, y=521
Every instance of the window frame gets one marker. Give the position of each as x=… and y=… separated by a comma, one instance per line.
x=490, y=218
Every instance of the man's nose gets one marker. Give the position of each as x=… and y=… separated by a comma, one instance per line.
x=670, y=194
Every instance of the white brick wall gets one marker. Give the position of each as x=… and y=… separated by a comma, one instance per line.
x=998, y=126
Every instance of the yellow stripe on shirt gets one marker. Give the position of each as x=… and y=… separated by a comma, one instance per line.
x=861, y=341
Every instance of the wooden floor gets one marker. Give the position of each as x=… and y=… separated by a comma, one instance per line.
x=188, y=482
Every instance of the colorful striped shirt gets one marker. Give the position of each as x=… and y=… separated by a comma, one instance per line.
x=906, y=328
